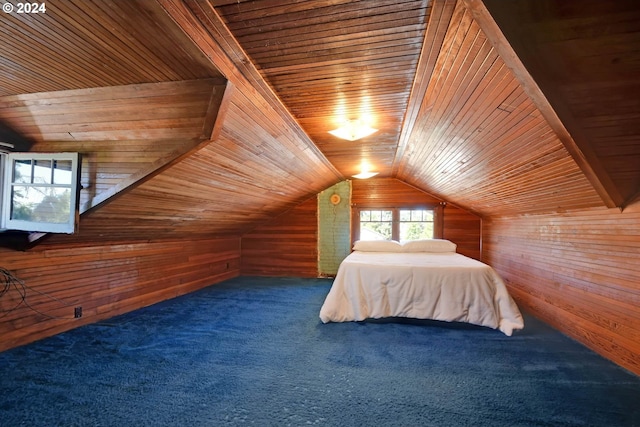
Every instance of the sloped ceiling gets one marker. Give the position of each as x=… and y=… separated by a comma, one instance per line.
x=207, y=117
x=475, y=128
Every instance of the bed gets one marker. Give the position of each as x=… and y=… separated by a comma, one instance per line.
x=424, y=279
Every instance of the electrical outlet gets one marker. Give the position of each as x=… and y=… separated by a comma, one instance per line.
x=77, y=312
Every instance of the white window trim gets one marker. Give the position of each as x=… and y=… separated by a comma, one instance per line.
x=395, y=222
x=12, y=224
x=3, y=160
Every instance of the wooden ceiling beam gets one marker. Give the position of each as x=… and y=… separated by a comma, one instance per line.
x=551, y=106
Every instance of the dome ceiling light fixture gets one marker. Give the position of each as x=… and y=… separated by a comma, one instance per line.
x=365, y=171
x=365, y=175
x=352, y=130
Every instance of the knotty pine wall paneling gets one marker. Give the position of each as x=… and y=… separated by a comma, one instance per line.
x=105, y=280
x=577, y=271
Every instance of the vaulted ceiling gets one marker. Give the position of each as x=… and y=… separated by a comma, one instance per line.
x=208, y=117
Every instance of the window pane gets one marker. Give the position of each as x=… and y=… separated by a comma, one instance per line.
x=42, y=195
x=62, y=172
x=375, y=231
x=416, y=230
x=375, y=225
x=42, y=172
x=416, y=224
x=22, y=171
x=40, y=204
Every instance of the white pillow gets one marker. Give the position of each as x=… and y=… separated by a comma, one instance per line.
x=377, y=246
x=429, y=245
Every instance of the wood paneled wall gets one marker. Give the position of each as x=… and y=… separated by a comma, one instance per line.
x=288, y=245
x=153, y=111
x=285, y=246
x=577, y=271
x=105, y=280
x=463, y=228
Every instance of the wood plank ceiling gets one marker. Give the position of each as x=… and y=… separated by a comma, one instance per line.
x=472, y=131
x=503, y=108
x=330, y=61
x=169, y=148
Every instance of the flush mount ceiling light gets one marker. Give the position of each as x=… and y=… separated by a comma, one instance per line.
x=353, y=130
x=365, y=171
x=365, y=175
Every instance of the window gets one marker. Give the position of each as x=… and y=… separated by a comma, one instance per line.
x=376, y=225
x=416, y=224
x=3, y=159
x=395, y=224
x=40, y=192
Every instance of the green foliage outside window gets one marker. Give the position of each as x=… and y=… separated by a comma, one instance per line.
x=376, y=225
x=411, y=224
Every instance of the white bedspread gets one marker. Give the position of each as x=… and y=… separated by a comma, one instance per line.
x=439, y=286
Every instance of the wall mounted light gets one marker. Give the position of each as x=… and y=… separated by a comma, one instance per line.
x=353, y=130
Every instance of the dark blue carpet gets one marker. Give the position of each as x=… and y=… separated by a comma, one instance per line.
x=252, y=351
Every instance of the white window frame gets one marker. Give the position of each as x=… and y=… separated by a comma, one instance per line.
x=3, y=159
x=395, y=221
x=6, y=190
x=390, y=221
x=422, y=210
